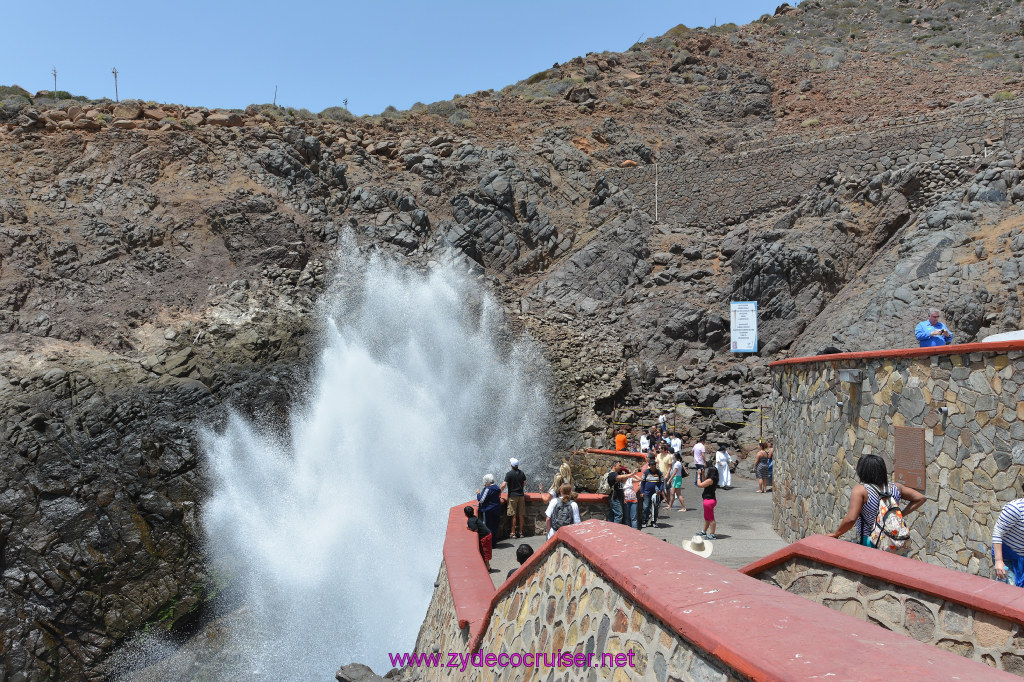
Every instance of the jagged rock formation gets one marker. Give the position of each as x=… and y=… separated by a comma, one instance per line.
x=846, y=165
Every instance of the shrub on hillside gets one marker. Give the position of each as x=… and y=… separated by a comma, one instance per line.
x=444, y=108
x=340, y=114
x=14, y=92
x=541, y=75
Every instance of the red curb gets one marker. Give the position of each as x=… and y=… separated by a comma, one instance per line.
x=467, y=576
x=958, y=349
x=975, y=592
x=757, y=630
x=619, y=453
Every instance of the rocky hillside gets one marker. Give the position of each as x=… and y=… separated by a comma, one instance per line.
x=846, y=164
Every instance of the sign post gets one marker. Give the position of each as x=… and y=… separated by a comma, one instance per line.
x=743, y=326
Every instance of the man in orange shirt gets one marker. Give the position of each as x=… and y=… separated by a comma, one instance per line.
x=620, y=441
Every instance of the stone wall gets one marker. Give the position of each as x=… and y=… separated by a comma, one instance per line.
x=589, y=465
x=974, y=453
x=761, y=176
x=565, y=605
x=591, y=507
x=440, y=630
x=979, y=636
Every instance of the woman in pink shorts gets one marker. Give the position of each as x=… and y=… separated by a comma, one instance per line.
x=708, y=480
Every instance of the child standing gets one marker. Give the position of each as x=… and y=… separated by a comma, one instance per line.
x=708, y=480
x=675, y=477
x=483, y=535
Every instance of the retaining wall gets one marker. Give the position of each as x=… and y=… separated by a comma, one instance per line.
x=973, y=617
x=968, y=399
x=591, y=507
x=588, y=466
x=600, y=588
x=730, y=188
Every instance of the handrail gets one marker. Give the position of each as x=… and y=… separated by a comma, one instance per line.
x=955, y=349
x=975, y=592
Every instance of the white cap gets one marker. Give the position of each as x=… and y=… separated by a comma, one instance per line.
x=514, y=462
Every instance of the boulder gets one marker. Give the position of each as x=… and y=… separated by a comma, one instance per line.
x=230, y=120
x=356, y=672
x=129, y=109
x=579, y=94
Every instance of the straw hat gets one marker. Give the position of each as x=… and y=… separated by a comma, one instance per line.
x=699, y=546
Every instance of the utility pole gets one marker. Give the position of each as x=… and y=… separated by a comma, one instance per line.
x=55, y=84
x=114, y=71
x=275, y=95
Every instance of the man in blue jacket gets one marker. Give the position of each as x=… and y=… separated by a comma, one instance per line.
x=931, y=332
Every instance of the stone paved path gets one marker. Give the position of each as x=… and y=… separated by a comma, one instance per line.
x=744, y=527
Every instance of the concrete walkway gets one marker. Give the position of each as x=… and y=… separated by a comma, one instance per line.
x=744, y=527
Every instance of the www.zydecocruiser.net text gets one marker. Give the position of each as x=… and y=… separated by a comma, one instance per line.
x=548, y=659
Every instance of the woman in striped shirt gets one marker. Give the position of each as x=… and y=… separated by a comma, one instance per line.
x=1008, y=543
x=864, y=498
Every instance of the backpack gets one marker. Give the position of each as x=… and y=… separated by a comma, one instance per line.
x=561, y=515
x=604, y=487
x=889, y=532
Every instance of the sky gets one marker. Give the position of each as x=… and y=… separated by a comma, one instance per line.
x=229, y=54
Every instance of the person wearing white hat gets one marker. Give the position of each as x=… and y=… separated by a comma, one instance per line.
x=699, y=545
x=515, y=481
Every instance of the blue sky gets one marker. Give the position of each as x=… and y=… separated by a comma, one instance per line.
x=375, y=54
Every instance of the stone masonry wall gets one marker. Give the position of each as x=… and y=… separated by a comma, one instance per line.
x=589, y=467
x=536, y=519
x=440, y=630
x=731, y=188
x=974, y=454
x=565, y=605
x=962, y=630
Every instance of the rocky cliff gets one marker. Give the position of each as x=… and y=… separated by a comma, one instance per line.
x=845, y=164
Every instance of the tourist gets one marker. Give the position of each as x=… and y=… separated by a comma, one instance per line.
x=675, y=482
x=629, y=503
x=722, y=460
x=645, y=443
x=676, y=443
x=864, y=498
x=664, y=458
x=483, y=534
x=620, y=441
x=489, y=503
x=562, y=510
x=515, y=481
x=932, y=332
x=564, y=475
x=707, y=479
x=663, y=423
x=699, y=451
x=523, y=552
x=763, y=468
x=651, y=484
x=1008, y=543
x=615, y=494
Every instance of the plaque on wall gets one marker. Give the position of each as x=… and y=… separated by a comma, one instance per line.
x=909, y=464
